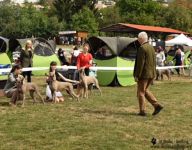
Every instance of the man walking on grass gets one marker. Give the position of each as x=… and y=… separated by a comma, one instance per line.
x=144, y=73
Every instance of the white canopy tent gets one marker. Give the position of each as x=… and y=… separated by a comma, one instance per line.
x=179, y=40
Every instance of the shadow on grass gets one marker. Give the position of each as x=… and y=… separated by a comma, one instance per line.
x=108, y=113
x=4, y=103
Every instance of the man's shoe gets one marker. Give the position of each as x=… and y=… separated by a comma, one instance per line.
x=157, y=110
x=142, y=114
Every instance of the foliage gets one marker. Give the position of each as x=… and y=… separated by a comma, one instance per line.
x=85, y=21
x=107, y=14
x=65, y=9
x=149, y=12
x=24, y=22
x=59, y=15
x=139, y=12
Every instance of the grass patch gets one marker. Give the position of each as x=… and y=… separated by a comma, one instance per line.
x=99, y=123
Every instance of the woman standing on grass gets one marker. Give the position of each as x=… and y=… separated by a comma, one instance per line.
x=10, y=89
x=178, y=60
x=85, y=59
x=26, y=59
x=59, y=77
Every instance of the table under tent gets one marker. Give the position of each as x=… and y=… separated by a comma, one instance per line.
x=114, y=52
x=44, y=52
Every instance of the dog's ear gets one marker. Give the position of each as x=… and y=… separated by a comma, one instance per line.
x=20, y=78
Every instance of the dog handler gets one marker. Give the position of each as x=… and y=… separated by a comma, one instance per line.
x=26, y=59
x=144, y=73
x=59, y=77
x=85, y=59
x=10, y=87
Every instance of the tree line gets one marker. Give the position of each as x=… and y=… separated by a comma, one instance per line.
x=27, y=21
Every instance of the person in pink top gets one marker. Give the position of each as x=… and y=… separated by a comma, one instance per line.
x=85, y=59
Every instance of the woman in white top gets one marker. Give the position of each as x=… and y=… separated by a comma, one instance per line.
x=59, y=96
x=160, y=56
x=182, y=70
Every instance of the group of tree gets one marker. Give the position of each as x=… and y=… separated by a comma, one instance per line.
x=22, y=22
x=56, y=15
x=177, y=15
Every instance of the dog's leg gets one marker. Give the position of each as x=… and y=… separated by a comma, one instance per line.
x=32, y=96
x=54, y=97
x=72, y=93
x=38, y=93
x=97, y=86
x=169, y=75
x=86, y=91
x=90, y=88
x=23, y=100
x=161, y=76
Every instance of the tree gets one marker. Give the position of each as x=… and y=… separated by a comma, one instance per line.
x=22, y=22
x=107, y=14
x=85, y=21
x=65, y=9
x=139, y=11
x=179, y=18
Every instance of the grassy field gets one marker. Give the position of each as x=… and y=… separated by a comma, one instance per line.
x=99, y=123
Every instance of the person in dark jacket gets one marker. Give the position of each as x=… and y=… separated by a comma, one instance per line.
x=26, y=59
x=61, y=55
x=178, y=60
x=10, y=87
x=144, y=74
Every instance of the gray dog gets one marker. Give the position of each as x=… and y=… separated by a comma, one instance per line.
x=161, y=72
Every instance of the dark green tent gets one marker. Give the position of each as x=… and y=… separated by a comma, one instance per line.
x=44, y=51
x=114, y=52
x=4, y=59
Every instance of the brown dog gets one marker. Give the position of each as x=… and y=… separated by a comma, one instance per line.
x=161, y=72
x=23, y=87
x=59, y=86
x=86, y=81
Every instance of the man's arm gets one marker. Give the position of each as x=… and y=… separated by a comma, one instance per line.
x=140, y=63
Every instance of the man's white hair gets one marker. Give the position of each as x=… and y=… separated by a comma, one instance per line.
x=143, y=36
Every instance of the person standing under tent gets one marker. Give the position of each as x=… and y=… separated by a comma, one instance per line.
x=26, y=59
x=61, y=55
x=190, y=60
x=160, y=57
x=178, y=60
x=144, y=74
x=183, y=62
x=74, y=57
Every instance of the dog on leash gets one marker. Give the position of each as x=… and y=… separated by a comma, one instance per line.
x=59, y=86
x=161, y=72
x=85, y=82
x=23, y=87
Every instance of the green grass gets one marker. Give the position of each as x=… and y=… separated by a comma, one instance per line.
x=99, y=123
